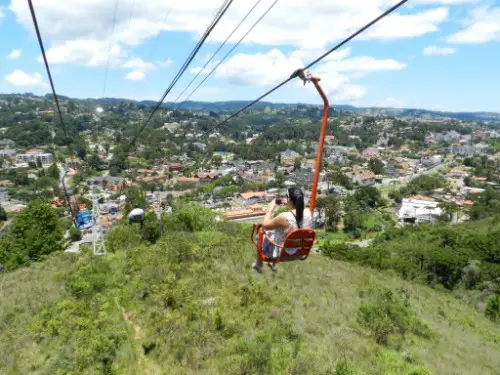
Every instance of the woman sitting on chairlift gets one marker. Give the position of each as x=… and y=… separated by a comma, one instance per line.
x=278, y=227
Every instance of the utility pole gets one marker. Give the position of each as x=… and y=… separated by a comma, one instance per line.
x=97, y=238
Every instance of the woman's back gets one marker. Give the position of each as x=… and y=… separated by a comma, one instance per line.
x=280, y=234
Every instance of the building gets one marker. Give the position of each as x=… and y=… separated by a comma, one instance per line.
x=33, y=156
x=188, y=180
x=107, y=182
x=4, y=195
x=451, y=136
x=362, y=177
x=397, y=166
x=370, y=153
x=7, y=148
x=206, y=178
x=174, y=167
x=431, y=161
x=288, y=157
x=6, y=183
x=469, y=150
x=253, y=197
x=418, y=210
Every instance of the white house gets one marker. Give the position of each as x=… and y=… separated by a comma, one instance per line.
x=33, y=156
x=418, y=210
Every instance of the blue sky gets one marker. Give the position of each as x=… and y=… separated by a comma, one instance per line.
x=434, y=54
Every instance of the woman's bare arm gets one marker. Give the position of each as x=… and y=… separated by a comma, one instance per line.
x=278, y=222
x=270, y=223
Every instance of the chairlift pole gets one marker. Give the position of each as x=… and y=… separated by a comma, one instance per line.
x=307, y=77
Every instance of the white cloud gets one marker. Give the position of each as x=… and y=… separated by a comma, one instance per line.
x=135, y=76
x=15, y=54
x=337, y=73
x=139, y=64
x=306, y=23
x=397, y=26
x=20, y=78
x=359, y=66
x=87, y=52
x=165, y=63
x=442, y=51
x=482, y=26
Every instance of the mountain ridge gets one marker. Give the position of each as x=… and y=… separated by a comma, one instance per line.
x=485, y=116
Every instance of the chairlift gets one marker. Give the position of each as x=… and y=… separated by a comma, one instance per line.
x=299, y=242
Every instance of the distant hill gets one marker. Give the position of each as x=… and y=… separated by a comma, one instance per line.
x=237, y=104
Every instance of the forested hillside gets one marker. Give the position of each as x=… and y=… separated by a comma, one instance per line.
x=190, y=304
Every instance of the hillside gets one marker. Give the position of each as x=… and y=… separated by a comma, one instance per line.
x=189, y=304
x=233, y=105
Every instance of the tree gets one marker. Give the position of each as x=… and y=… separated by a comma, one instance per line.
x=280, y=179
x=94, y=161
x=368, y=197
x=151, y=228
x=338, y=178
x=38, y=163
x=135, y=199
x=53, y=171
x=331, y=208
x=35, y=232
x=297, y=164
x=3, y=214
x=376, y=166
x=217, y=161
x=449, y=210
x=32, y=164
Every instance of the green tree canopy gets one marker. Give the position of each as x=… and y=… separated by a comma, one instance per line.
x=54, y=172
x=35, y=232
x=376, y=166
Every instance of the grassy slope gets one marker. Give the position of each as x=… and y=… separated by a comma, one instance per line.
x=197, y=309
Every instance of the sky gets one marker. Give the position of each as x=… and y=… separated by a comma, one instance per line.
x=432, y=54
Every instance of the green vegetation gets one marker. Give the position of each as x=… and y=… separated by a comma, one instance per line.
x=423, y=185
x=34, y=233
x=190, y=304
x=376, y=166
x=440, y=255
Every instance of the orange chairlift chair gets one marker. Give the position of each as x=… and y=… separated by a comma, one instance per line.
x=299, y=242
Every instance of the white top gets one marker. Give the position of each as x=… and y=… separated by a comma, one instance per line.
x=279, y=235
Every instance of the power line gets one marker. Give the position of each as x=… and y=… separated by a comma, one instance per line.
x=222, y=10
x=109, y=48
x=218, y=50
x=153, y=48
x=56, y=99
x=131, y=12
x=229, y=52
x=297, y=72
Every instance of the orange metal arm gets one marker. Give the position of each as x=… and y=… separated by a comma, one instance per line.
x=319, y=157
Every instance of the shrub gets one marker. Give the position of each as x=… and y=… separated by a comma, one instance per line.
x=493, y=308
x=123, y=238
x=343, y=367
x=189, y=217
x=387, y=314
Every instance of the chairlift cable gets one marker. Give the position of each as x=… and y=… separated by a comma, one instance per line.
x=296, y=73
x=155, y=44
x=214, y=54
x=54, y=93
x=183, y=68
x=109, y=48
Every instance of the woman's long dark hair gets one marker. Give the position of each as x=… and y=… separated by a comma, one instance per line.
x=296, y=196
